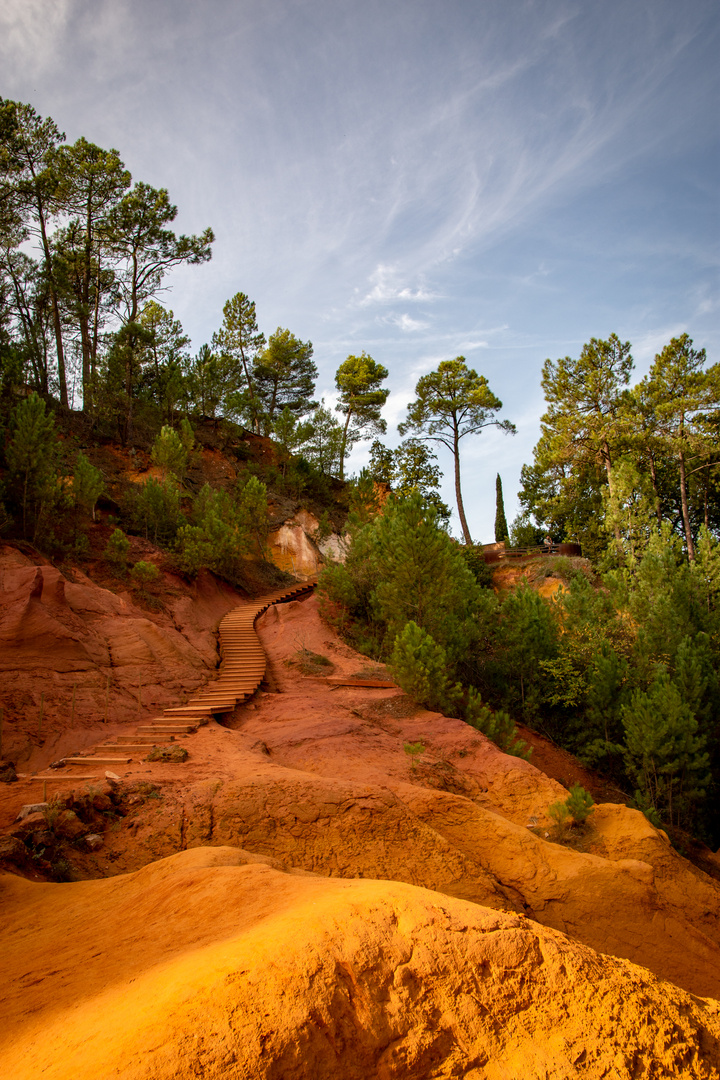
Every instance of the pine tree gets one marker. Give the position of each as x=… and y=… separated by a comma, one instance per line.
x=665, y=754
x=423, y=576
x=501, y=529
x=419, y=665
x=169, y=453
x=240, y=340
x=382, y=460
x=358, y=380
x=450, y=403
x=31, y=457
x=284, y=376
x=683, y=394
x=88, y=484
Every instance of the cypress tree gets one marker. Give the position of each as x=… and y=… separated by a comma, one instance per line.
x=501, y=529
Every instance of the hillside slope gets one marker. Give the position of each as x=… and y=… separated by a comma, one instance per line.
x=222, y=966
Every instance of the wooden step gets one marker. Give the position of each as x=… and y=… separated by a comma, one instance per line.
x=206, y=710
x=340, y=680
x=97, y=760
x=60, y=776
x=168, y=729
x=129, y=748
x=153, y=734
x=148, y=740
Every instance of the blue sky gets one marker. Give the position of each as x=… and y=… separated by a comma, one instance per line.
x=420, y=179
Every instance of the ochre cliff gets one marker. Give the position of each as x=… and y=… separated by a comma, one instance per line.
x=212, y=963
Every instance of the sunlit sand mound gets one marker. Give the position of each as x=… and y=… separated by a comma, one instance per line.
x=207, y=964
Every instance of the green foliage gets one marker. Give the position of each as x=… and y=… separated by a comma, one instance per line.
x=358, y=381
x=501, y=528
x=364, y=500
x=474, y=557
x=31, y=457
x=325, y=527
x=323, y=443
x=237, y=344
x=528, y=634
x=580, y=804
x=413, y=750
x=169, y=453
x=225, y=528
x=419, y=665
x=217, y=539
x=88, y=484
x=208, y=384
x=153, y=508
x=117, y=548
x=284, y=376
x=559, y=812
x=495, y=724
x=144, y=574
x=524, y=533
x=252, y=509
x=450, y=403
x=163, y=360
x=421, y=576
x=410, y=469
x=665, y=753
x=382, y=462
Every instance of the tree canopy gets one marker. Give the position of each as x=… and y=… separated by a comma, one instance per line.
x=450, y=403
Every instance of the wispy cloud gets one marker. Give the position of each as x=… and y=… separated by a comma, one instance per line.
x=407, y=324
x=387, y=286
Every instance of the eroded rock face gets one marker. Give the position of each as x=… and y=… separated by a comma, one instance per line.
x=223, y=966
x=57, y=634
x=292, y=549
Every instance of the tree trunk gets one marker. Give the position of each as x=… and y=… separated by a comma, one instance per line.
x=685, y=508
x=458, y=492
x=343, y=444
x=608, y=469
x=57, y=325
x=653, y=475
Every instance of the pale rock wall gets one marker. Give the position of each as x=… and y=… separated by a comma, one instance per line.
x=293, y=546
x=293, y=550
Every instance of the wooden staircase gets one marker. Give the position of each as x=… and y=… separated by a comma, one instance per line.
x=243, y=664
x=241, y=671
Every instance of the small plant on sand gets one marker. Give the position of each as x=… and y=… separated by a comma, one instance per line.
x=572, y=813
x=52, y=811
x=413, y=750
x=171, y=754
x=309, y=662
x=580, y=804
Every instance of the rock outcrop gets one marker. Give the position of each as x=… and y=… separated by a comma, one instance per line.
x=222, y=965
x=62, y=636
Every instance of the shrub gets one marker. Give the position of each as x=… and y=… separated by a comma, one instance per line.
x=171, y=754
x=154, y=509
x=580, y=804
x=169, y=452
x=117, y=548
x=498, y=726
x=419, y=666
x=144, y=573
